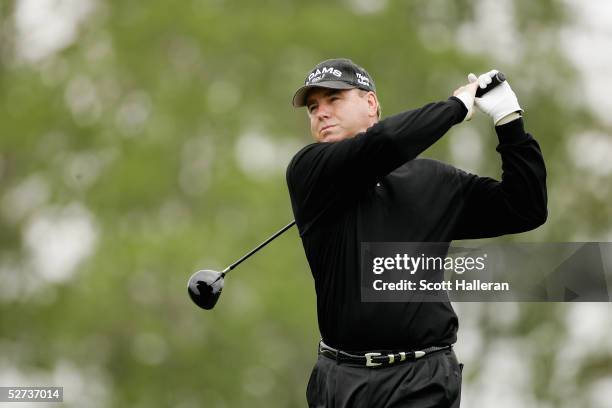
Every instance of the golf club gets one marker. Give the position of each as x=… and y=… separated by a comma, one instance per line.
x=496, y=80
x=205, y=286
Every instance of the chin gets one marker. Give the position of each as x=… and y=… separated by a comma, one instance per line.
x=333, y=138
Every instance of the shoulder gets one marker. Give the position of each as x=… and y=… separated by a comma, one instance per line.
x=302, y=152
x=305, y=155
x=299, y=156
x=300, y=159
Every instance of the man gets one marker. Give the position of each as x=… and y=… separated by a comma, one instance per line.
x=361, y=182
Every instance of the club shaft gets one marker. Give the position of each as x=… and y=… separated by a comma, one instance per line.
x=263, y=244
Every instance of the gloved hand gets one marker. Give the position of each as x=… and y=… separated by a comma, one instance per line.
x=499, y=102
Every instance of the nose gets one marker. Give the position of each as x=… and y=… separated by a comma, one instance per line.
x=322, y=111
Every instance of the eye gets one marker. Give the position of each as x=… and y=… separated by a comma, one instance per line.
x=311, y=108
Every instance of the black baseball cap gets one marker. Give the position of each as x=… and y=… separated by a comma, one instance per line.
x=338, y=73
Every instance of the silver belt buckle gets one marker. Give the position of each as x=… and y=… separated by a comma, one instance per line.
x=369, y=362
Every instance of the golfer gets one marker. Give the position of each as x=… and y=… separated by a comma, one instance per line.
x=362, y=182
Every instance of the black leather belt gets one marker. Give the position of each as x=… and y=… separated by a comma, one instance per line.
x=378, y=358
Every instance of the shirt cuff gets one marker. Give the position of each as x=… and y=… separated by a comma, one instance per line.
x=461, y=109
x=512, y=132
x=508, y=118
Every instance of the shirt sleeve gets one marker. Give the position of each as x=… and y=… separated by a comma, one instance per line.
x=515, y=204
x=323, y=176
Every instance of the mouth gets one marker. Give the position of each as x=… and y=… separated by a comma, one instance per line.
x=326, y=127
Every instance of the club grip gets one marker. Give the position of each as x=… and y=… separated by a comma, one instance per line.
x=496, y=80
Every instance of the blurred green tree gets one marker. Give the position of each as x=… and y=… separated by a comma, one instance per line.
x=141, y=142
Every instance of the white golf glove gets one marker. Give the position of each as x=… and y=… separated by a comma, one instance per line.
x=500, y=101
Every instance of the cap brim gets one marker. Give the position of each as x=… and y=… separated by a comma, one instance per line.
x=299, y=99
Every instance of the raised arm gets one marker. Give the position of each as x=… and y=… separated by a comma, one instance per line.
x=518, y=202
x=324, y=175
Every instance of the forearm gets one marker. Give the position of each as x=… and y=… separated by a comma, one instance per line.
x=412, y=132
x=524, y=171
x=363, y=160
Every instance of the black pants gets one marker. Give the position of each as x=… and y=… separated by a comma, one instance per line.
x=431, y=381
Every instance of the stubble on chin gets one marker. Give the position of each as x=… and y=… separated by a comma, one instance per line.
x=333, y=136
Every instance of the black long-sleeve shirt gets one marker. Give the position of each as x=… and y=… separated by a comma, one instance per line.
x=371, y=188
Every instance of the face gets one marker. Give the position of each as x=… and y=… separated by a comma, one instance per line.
x=338, y=114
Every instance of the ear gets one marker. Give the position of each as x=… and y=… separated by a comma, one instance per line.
x=372, y=104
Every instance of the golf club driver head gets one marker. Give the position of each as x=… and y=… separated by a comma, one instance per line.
x=205, y=287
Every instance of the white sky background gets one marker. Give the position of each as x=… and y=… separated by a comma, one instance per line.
x=45, y=27
x=588, y=44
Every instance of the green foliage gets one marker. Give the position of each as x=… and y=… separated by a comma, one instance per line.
x=169, y=127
